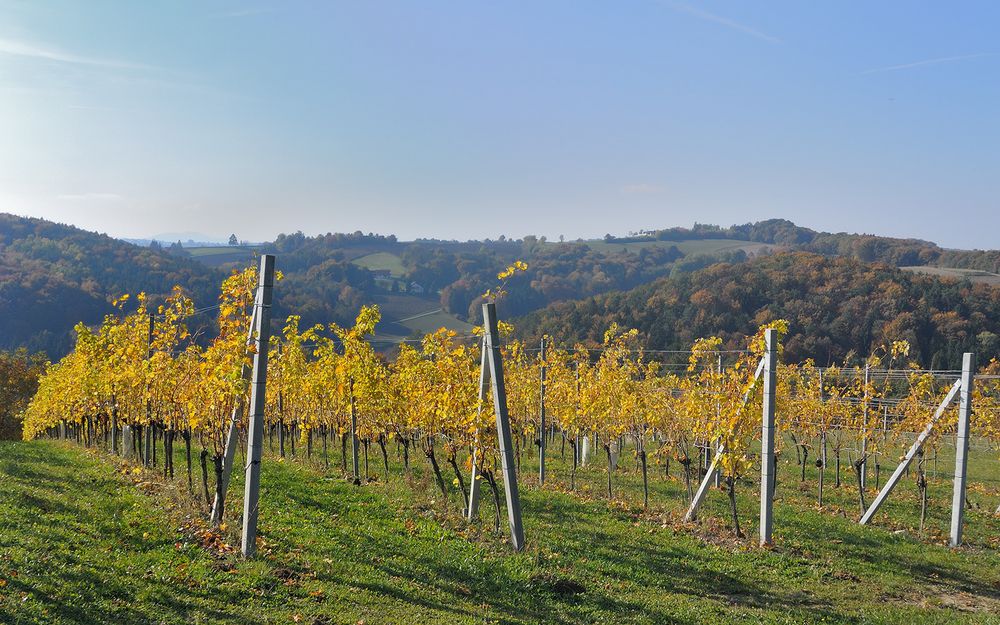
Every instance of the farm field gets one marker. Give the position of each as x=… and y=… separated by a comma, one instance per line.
x=431, y=321
x=88, y=539
x=404, y=315
x=216, y=256
x=972, y=275
x=688, y=248
x=382, y=260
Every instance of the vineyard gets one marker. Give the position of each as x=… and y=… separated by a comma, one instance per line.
x=667, y=433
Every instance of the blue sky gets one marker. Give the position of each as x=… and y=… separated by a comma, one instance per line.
x=473, y=119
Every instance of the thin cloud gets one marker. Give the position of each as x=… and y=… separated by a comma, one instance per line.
x=90, y=197
x=24, y=49
x=938, y=61
x=701, y=14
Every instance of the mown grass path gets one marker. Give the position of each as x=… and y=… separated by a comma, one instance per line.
x=80, y=542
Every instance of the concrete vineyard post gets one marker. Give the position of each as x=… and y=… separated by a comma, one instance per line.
x=503, y=425
x=258, y=391
x=114, y=429
x=962, y=449
x=128, y=445
x=767, y=437
x=541, y=413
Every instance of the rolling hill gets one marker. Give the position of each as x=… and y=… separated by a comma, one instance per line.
x=839, y=308
x=54, y=275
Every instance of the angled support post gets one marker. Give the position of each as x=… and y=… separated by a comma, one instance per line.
x=472, y=511
x=503, y=425
x=232, y=436
x=767, y=437
x=709, y=478
x=258, y=393
x=962, y=449
x=908, y=458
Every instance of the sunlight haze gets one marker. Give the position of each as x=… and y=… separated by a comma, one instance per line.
x=470, y=120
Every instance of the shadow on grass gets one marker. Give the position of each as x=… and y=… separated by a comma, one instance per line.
x=72, y=552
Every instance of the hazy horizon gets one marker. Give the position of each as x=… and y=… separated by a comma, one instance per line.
x=222, y=239
x=474, y=120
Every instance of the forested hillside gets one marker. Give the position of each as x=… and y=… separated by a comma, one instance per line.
x=838, y=308
x=53, y=275
x=456, y=273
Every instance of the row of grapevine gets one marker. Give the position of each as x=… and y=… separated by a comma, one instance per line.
x=143, y=372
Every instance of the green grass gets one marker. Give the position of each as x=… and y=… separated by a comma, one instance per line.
x=382, y=260
x=432, y=322
x=82, y=543
x=217, y=256
x=405, y=315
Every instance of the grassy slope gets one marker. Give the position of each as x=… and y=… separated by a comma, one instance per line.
x=89, y=546
x=382, y=260
x=973, y=275
x=425, y=324
x=420, y=314
x=690, y=247
x=217, y=256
